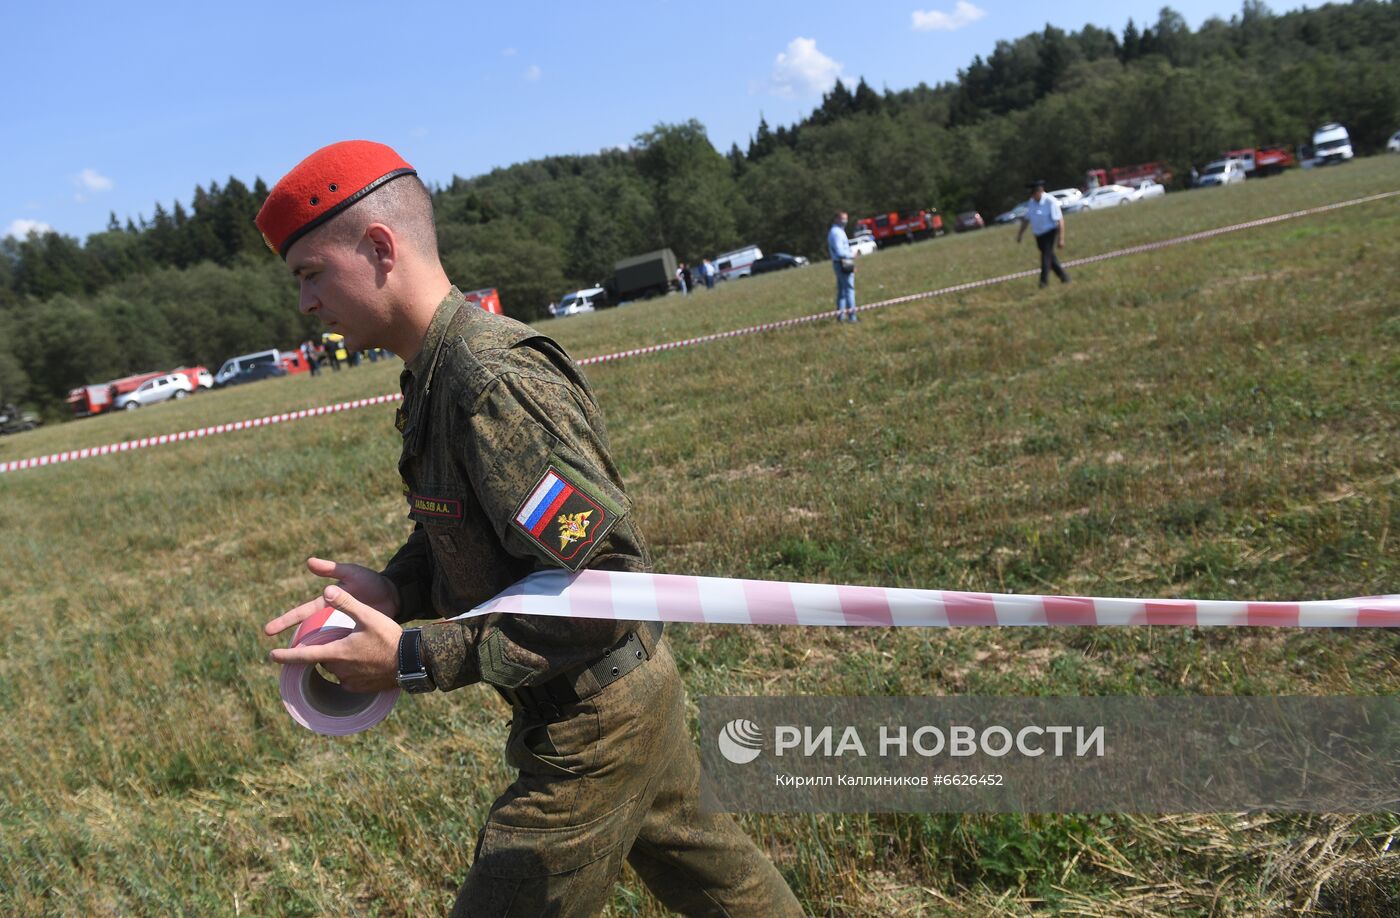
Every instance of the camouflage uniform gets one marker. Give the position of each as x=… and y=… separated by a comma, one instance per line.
x=506, y=470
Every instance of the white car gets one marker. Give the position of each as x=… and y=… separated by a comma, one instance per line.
x=863, y=245
x=1150, y=189
x=1101, y=197
x=172, y=385
x=1066, y=195
x=1221, y=172
x=580, y=301
x=1393, y=145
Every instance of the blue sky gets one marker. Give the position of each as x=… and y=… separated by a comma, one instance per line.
x=112, y=107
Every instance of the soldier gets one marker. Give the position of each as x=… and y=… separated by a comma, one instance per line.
x=506, y=470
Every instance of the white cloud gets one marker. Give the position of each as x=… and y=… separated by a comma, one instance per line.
x=802, y=70
x=508, y=52
x=533, y=72
x=964, y=14
x=92, y=180
x=21, y=228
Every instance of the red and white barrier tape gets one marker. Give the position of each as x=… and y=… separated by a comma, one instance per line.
x=73, y=455
x=722, y=601
x=326, y=708
x=317, y=703
x=163, y=439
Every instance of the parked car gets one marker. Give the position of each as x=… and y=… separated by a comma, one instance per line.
x=777, y=262
x=1220, y=173
x=1066, y=195
x=1101, y=197
x=1393, y=145
x=968, y=221
x=1150, y=189
x=253, y=373
x=863, y=244
x=1012, y=215
x=152, y=391
x=587, y=300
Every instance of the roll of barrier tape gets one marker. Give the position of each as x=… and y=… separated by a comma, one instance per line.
x=319, y=704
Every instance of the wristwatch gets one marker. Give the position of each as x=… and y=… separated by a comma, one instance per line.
x=413, y=675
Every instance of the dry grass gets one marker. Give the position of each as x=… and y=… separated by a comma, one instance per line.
x=1216, y=420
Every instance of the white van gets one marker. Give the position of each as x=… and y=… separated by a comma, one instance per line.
x=738, y=263
x=1331, y=144
x=586, y=300
x=235, y=365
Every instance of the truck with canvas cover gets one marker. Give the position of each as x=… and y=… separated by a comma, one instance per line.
x=646, y=275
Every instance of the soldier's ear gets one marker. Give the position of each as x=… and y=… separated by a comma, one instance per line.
x=385, y=244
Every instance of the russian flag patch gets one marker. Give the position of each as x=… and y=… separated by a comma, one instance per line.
x=562, y=519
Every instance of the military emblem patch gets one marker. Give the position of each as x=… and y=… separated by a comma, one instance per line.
x=561, y=518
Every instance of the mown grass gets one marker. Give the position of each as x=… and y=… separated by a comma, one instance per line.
x=1216, y=420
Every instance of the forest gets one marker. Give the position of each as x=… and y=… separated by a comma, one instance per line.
x=194, y=284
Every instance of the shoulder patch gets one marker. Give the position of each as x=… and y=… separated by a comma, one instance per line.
x=563, y=516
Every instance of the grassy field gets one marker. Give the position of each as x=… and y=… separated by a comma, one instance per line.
x=1218, y=419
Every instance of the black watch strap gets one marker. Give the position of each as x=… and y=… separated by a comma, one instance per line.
x=413, y=672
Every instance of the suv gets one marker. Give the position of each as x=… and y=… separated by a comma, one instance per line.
x=777, y=262
x=571, y=304
x=1221, y=172
x=171, y=385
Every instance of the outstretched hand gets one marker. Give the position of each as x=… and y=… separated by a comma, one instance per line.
x=365, y=661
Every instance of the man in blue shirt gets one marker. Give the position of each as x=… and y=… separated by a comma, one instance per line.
x=1047, y=223
x=841, y=257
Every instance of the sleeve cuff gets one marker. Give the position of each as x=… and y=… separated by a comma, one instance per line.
x=449, y=656
x=413, y=597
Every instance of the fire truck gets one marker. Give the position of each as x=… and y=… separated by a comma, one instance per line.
x=1261, y=161
x=90, y=400
x=1132, y=176
x=903, y=226
x=487, y=298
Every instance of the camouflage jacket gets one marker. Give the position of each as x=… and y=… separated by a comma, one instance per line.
x=506, y=471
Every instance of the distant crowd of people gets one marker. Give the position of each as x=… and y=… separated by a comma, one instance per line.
x=328, y=352
x=687, y=277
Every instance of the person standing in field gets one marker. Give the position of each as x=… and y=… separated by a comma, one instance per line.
x=506, y=470
x=1047, y=223
x=681, y=273
x=707, y=269
x=309, y=352
x=843, y=262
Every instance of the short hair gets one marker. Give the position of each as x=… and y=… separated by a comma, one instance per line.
x=403, y=204
x=838, y=215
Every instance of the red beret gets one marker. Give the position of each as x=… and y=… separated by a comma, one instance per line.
x=324, y=184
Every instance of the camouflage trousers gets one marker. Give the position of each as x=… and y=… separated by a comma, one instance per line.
x=616, y=777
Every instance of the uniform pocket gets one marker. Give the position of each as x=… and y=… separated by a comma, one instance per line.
x=531, y=851
x=562, y=749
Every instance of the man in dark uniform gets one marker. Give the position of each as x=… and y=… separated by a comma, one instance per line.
x=506, y=470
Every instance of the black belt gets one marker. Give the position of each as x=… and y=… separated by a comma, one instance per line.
x=546, y=699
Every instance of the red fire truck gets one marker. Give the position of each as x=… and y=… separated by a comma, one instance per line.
x=1262, y=161
x=1131, y=176
x=486, y=298
x=89, y=400
x=903, y=226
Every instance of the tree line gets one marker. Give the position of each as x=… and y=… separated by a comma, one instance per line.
x=197, y=285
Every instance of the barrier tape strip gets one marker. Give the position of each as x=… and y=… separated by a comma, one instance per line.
x=722, y=601
x=326, y=708
x=161, y=440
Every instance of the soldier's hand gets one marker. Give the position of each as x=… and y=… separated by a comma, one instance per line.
x=364, y=661
x=369, y=587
